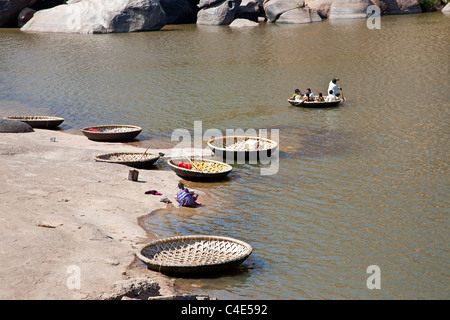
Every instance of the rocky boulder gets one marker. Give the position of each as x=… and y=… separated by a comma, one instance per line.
x=349, y=9
x=243, y=23
x=388, y=7
x=24, y=16
x=322, y=7
x=300, y=15
x=99, y=16
x=275, y=8
x=9, y=10
x=178, y=11
x=14, y=126
x=217, y=12
x=446, y=9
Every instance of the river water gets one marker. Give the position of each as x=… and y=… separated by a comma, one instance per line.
x=359, y=185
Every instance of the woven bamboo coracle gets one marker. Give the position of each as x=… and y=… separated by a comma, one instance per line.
x=202, y=173
x=113, y=133
x=38, y=121
x=195, y=254
x=236, y=147
x=129, y=158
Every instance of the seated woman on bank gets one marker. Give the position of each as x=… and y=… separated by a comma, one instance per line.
x=185, y=198
x=331, y=97
x=320, y=98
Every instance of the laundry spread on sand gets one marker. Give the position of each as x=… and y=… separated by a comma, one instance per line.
x=153, y=192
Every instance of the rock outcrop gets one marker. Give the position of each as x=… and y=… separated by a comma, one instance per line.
x=242, y=23
x=300, y=15
x=99, y=16
x=322, y=7
x=290, y=11
x=349, y=9
x=275, y=8
x=446, y=9
x=14, y=126
x=393, y=7
x=217, y=12
x=24, y=16
x=9, y=10
x=387, y=7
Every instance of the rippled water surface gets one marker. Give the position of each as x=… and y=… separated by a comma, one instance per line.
x=362, y=184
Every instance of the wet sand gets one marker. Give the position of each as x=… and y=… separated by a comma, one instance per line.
x=62, y=212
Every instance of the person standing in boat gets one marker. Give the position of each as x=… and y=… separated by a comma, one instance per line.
x=333, y=87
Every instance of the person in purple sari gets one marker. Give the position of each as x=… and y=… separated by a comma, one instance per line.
x=185, y=198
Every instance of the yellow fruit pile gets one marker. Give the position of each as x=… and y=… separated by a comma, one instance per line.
x=206, y=166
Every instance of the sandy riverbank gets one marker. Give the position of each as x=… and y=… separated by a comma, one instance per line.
x=60, y=208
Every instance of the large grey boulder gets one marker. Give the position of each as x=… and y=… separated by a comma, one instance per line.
x=349, y=9
x=275, y=8
x=300, y=15
x=14, y=126
x=388, y=7
x=178, y=11
x=9, y=10
x=213, y=12
x=99, y=16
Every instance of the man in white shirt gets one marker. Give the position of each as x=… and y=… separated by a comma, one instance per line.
x=332, y=86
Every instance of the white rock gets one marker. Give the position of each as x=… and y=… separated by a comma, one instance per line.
x=242, y=23
x=99, y=16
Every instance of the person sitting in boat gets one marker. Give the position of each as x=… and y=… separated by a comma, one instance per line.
x=297, y=95
x=320, y=98
x=311, y=95
x=331, y=97
x=307, y=98
x=186, y=198
x=333, y=87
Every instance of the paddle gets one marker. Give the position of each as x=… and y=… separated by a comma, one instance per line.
x=194, y=165
x=342, y=91
x=143, y=154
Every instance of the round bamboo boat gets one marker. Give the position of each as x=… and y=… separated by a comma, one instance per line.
x=111, y=133
x=314, y=104
x=201, y=172
x=132, y=159
x=237, y=147
x=40, y=122
x=194, y=254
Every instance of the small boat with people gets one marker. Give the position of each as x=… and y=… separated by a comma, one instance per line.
x=314, y=104
x=309, y=100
